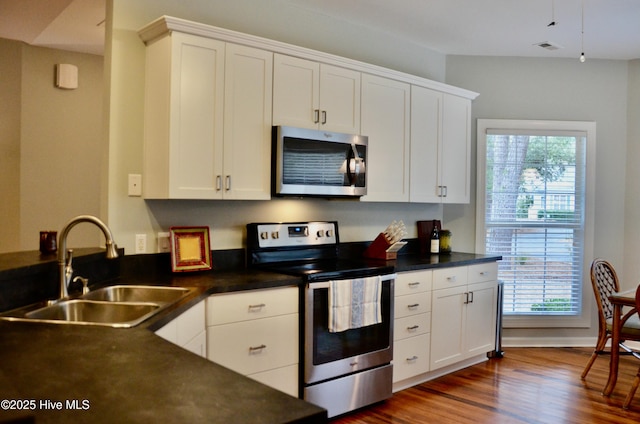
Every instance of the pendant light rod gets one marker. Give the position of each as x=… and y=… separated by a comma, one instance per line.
x=553, y=14
x=582, y=58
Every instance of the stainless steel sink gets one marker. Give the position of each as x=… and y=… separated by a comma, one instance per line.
x=123, y=293
x=120, y=306
x=80, y=311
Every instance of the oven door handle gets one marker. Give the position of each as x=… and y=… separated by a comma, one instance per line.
x=327, y=284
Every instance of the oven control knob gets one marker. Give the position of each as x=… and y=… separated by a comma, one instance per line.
x=320, y=233
x=264, y=235
x=275, y=235
x=329, y=233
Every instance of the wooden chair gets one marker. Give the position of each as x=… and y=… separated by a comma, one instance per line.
x=636, y=381
x=605, y=282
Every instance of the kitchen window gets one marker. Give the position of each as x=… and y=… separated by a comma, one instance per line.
x=535, y=209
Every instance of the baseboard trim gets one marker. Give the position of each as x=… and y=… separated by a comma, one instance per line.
x=548, y=341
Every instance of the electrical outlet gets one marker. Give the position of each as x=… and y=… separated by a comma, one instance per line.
x=135, y=185
x=164, y=244
x=141, y=243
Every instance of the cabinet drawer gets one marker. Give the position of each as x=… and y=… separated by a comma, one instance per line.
x=449, y=277
x=249, y=347
x=284, y=379
x=483, y=272
x=412, y=304
x=413, y=282
x=410, y=357
x=253, y=304
x=412, y=325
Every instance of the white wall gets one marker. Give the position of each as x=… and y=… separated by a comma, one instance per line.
x=51, y=145
x=275, y=19
x=632, y=199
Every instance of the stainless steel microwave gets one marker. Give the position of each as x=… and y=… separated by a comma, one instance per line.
x=318, y=163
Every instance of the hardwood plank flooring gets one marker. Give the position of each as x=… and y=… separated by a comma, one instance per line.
x=527, y=385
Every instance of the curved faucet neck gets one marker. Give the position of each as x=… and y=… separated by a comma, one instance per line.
x=65, y=269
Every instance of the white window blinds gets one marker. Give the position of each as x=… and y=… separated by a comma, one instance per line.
x=534, y=216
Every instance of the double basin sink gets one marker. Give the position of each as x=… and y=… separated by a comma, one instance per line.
x=120, y=306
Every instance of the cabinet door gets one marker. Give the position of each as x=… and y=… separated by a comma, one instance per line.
x=385, y=120
x=425, y=145
x=481, y=318
x=339, y=100
x=456, y=149
x=296, y=92
x=196, y=118
x=247, y=124
x=184, y=96
x=447, y=320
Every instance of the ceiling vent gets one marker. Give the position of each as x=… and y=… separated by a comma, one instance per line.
x=548, y=45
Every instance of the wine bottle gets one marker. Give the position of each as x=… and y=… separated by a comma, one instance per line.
x=435, y=239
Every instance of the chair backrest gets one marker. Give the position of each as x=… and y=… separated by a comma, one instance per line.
x=605, y=283
x=638, y=300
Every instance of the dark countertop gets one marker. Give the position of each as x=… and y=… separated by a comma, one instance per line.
x=136, y=376
x=131, y=376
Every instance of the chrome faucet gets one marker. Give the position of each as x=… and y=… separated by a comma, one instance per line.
x=65, y=257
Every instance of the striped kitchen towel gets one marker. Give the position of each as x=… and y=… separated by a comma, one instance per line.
x=354, y=303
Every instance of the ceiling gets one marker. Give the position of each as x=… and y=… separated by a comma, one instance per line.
x=76, y=25
x=456, y=27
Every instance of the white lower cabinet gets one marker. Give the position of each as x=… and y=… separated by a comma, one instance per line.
x=412, y=324
x=464, y=313
x=255, y=333
x=188, y=330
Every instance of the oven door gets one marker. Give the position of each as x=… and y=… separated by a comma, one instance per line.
x=329, y=355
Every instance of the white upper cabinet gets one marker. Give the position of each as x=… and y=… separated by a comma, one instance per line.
x=308, y=94
x=184, y=96
x=212, y=96
x=247, y=123
x=440, y=147
x=385, y=120
x=207, y=120
x=455, y=162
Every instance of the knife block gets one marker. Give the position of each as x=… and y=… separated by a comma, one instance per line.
x=380, y=248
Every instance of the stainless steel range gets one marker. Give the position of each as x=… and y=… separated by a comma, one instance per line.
x=341, y=369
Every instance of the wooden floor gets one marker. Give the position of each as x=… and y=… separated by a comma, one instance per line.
x=527, y=385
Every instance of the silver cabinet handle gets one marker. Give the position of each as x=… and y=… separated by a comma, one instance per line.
x=316, y=116
x=471, y=297
x=413, y=327
x=324, y=117
x=227, y=183
x=258, y=306
x=413, y=306
x=416, y=283
x=218, y=182
x=413, y=358
x=254, y=349
x=452, y=279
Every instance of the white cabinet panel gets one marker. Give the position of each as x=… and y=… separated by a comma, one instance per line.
x=284, y=379
x=308, y=94
x=250, y=305
x=440, y=147
x=385, y=120
x=253, y=346
x=410, y=357
x=413, y=282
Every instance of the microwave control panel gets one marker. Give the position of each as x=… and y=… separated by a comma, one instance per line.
x=297, y=234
